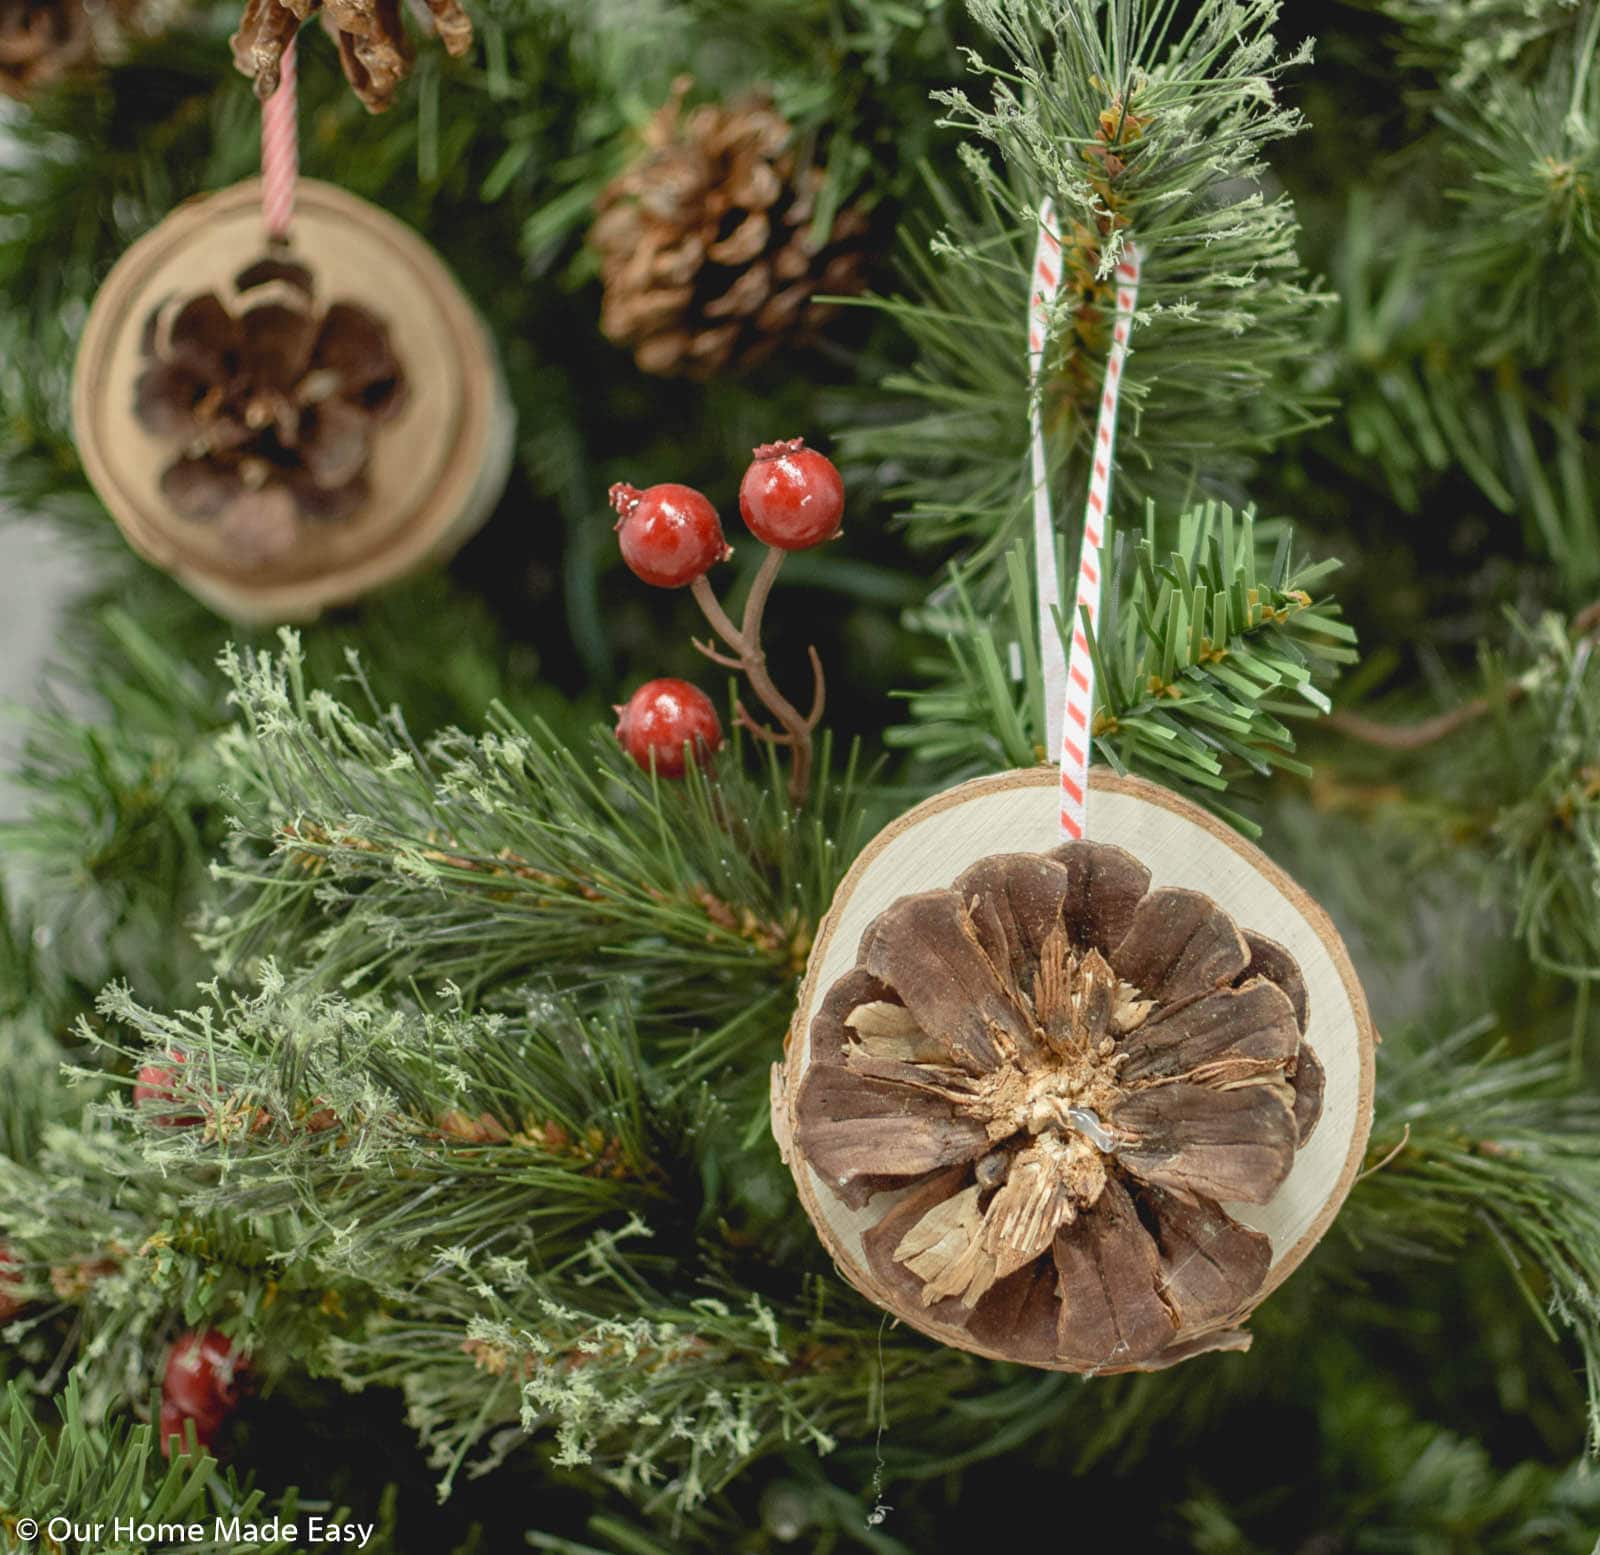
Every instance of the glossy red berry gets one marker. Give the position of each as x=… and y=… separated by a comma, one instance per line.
x=157, y=1084
x=201, y=1383
x=670, y=535
x=792, y=496
x=661, y=718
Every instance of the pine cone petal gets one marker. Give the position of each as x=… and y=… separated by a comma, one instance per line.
x=1112, y=1312
x=1310, y=1080
x=744, y=297
x=271, y=270
x=1020, y=1315
x=326, y=504
x=335, y=443
x=743, y=243
x=861, y=1127
x=202, y=336
x=1225, y=1038
x=201, y=488
x=882, y=1241
x=453, y=25
x=265, y=31
x=1236, y=1145
x=926, y=952
x=261, y=526
x=1107, y=886
x=353, y=345
x=1210, y=1265
x=275, y=346
x=1023, y=897
x=1179, y=946
x=374, y=50
x=164, y=399
x=1270, y=960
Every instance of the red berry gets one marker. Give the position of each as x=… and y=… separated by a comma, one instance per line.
x=158, y=1083
x=792, y=496
x=200, y=1384
x=670, y=535
x=11, y=1300
x=663, y=716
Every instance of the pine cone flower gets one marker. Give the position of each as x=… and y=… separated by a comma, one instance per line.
x=374, y=49
x=40, y=40
x=706, y=245
x=1066, y=1075
x=273, y=404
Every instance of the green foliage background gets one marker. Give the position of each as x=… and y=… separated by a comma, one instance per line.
x=546, y=1283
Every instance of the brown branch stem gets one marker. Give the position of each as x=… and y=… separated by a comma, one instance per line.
x=1417, y=736
x=1429, y=731
x=751, y=658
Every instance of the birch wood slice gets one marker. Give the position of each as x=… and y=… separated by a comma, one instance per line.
x=1182, y=846
x=437, y=466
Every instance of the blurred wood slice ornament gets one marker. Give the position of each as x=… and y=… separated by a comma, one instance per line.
x=1082, y=1106
x=285, y=427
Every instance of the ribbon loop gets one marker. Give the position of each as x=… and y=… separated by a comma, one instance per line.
x=1069, y=678
x=280, y=151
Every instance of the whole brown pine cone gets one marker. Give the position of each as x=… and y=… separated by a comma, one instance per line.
x=1052, y=1082
x=41, y=40
x=705, y=243
x=272, y=401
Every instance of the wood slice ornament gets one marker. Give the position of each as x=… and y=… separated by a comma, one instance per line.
x=287, y=426
x=1083, y=1105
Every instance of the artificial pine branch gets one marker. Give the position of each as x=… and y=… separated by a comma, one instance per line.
x=125, y=787
x=1509, y=1151
x=373, y=1128
x=1464, y=340
x=1413, y=1484
x=1201, y=655
x=88, y=1474
x=1463, y=41
x=510, y=853
x=1138, y=126
x=1514, y=770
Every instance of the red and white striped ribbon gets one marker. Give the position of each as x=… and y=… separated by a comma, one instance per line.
x=1069, y=682
x=1042, y=296
x=280, y=150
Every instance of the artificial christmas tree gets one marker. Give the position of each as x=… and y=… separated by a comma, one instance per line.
x=366, y=1001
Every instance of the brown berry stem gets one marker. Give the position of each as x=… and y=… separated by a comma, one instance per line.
x=795, y=728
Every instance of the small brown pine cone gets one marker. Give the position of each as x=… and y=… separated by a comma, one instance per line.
x=374, y=49
x=1067, y=1076
x=706, y=245
x=43, y=40
x=39, y=41
x=271, y=403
